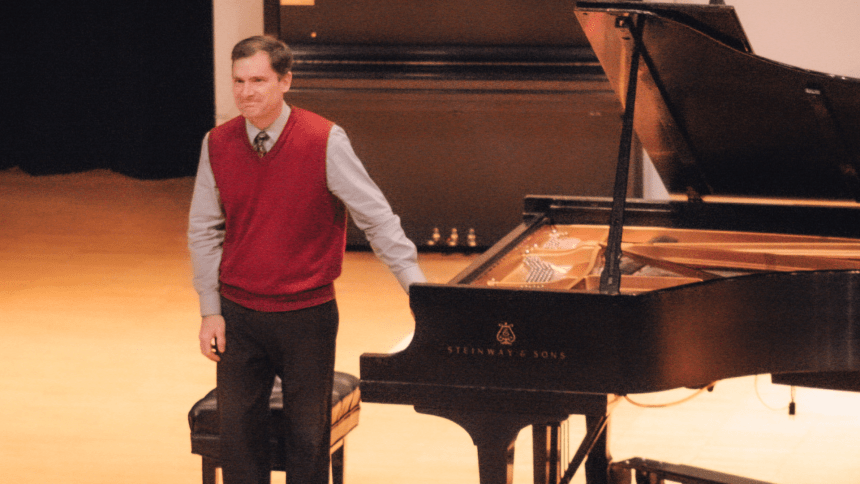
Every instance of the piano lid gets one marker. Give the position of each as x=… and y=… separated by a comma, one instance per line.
x=717, y=119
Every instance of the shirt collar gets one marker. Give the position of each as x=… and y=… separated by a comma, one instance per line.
x=274, y=130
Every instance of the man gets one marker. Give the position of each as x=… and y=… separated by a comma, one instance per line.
x=267, y=232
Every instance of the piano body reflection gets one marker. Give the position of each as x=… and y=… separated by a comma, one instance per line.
x=752, y=266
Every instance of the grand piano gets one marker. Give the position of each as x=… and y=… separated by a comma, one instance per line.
x=751, y=267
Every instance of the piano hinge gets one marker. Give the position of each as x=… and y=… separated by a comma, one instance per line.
x=693, y=195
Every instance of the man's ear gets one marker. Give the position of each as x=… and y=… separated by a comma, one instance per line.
x=286, y=81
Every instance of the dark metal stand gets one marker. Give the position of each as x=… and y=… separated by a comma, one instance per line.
x=655, y=472
x=547, y=456
x=546, y=450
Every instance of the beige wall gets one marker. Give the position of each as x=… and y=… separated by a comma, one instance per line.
x=233, y=20
x=820, y=35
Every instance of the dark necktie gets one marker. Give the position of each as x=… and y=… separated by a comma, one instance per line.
x=259, y=141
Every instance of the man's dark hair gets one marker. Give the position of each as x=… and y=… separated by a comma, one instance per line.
x=280, y=55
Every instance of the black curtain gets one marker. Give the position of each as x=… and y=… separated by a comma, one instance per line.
x=126, y=86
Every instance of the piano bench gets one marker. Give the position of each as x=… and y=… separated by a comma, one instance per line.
x=205, y=428
x=655, y=472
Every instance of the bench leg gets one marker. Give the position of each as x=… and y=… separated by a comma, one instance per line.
x=338, y=459
x=338, y=462
x=210, y=468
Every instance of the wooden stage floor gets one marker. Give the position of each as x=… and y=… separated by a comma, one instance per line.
x=99, y=362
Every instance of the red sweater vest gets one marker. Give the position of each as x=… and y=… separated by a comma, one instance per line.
x=285, y=233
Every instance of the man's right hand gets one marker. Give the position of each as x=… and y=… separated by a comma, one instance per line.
x=211, y=336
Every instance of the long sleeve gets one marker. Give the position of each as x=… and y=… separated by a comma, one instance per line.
x=206, y=235
x=348, y=180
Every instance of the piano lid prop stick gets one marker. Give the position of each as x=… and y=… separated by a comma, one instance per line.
x=610, y=278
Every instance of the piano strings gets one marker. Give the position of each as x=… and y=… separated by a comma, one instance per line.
x=657, y=258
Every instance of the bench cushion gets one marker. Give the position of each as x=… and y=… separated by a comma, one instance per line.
x=205, y=428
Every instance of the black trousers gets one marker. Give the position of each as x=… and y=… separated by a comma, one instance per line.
x=298, y=346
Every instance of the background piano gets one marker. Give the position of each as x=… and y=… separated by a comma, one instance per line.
x=473, y=104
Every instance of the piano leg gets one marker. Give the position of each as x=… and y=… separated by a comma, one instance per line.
x=496, y=462
x=494, y=434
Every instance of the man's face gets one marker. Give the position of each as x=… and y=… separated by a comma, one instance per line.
x=257, y=90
